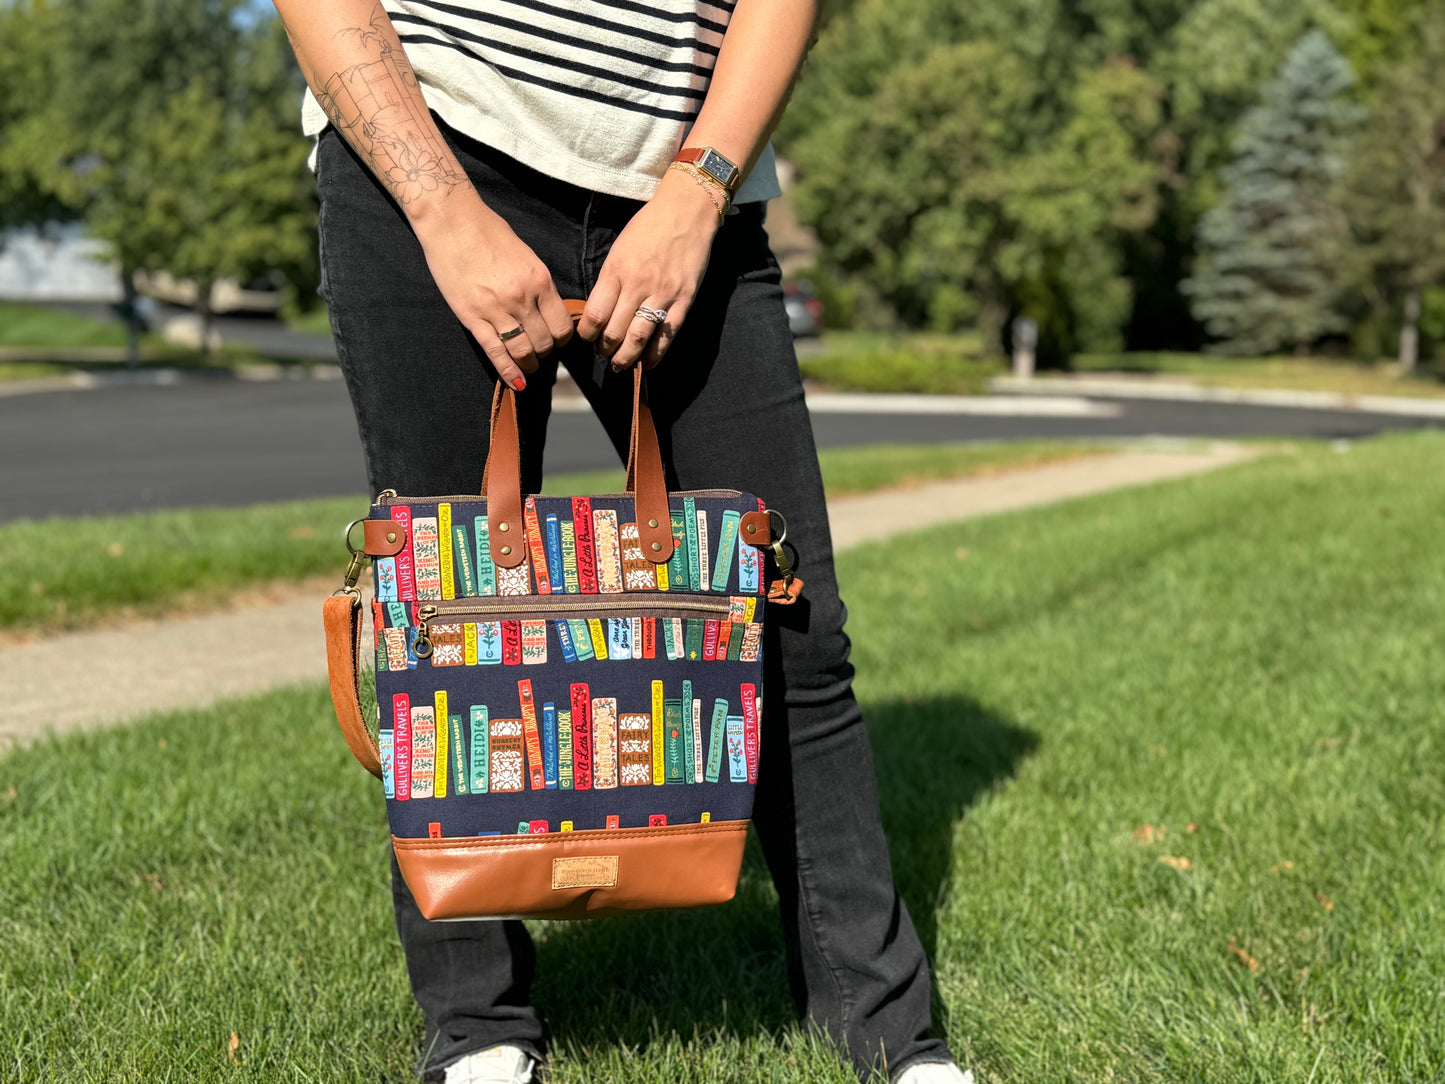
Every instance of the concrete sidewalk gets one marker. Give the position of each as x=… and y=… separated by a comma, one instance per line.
x=108, y=676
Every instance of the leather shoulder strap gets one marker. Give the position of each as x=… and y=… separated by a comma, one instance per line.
x=342, y=614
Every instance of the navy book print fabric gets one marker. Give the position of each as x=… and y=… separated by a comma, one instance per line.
x=587, y=688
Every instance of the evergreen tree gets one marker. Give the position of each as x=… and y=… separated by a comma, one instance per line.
x=1267, y=277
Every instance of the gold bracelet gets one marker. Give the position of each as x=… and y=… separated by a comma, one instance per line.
x=709, y=185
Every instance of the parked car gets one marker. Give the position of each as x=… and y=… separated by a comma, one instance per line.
x=805, y=310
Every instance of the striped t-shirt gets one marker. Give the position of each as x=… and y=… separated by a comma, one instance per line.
x=599, y=93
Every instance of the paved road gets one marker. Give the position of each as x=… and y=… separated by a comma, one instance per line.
x=234, y=442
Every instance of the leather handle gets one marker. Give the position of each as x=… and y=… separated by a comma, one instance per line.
x=342, y=615
x=502, y=478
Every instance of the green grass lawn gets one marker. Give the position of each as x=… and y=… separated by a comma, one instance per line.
x=919, y=362
x=43, y=340
x=1289, y=373
x=1162, y=771
x=316, y=322
x=57, y=574
x=46, y=325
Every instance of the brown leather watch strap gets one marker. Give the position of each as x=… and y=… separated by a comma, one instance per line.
x=502, y=479
x=342, y=615
x=694, y=156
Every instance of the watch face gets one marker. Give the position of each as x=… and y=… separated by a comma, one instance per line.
x=715, y=165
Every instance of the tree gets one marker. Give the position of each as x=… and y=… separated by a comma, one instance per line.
x=1266, y=278
x=963, y=185
x=168, y=126
x=204, y=194
x=1394, y=190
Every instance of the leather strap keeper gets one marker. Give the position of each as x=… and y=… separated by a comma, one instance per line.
x=684, y=865
x=382, y=537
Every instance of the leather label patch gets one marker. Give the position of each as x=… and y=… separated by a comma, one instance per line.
x=590, y=871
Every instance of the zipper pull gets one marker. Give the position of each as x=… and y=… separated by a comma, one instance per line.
x=422, y=647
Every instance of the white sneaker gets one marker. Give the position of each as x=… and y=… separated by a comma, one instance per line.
x=937, y=1072
x=495, y=1065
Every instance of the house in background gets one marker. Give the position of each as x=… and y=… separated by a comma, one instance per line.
x=57, y=264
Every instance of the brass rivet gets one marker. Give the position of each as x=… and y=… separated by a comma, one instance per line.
x=652, y=523
x=752, y=528
x=506, y=550
x=656, y=546
x=504, y=527
x=391, y=536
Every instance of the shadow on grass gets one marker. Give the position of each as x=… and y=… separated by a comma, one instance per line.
x=720, y=970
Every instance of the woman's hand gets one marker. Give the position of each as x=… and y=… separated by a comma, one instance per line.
x=493, y=282
x=658, y=261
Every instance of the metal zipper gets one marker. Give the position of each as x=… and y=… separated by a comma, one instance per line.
x=389, y=496
x=545, y=607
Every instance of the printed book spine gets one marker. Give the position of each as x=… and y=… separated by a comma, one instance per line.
x=609, y=550
x=704, y=568
x=581, y=736
x=689, y=508
x=726, y=540
x=672, y=739
x=750, y=731
x=531, y=732
x=443, y=747
x=564, y=750
x=401, y=728
x=535, y=546
x=549, y=744
x=586, y=551
x=463, y=551
x=689, y=753
x=658, y=723
x=555, y=574
x=480, y=761
x=486, y=570
x=427, y=558
x=405, y=562
x=444, y=550
x=604, y=743
x=569, y=557
x=423, y=751
x=459, y=754
x=716, y=732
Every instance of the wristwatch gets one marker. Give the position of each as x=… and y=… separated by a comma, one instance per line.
x=715, y=164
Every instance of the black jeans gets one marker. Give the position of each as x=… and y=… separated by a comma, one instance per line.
x=728, y=404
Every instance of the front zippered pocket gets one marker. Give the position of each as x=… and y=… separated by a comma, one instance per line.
x=519, y=629
x=588, y=608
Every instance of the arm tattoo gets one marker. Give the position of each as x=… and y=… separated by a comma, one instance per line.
x=377, y=106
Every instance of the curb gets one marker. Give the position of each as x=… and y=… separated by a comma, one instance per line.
x=568, y=399
x=155, y=378
x=1104, y=387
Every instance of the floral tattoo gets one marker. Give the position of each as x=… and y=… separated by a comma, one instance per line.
x=377, y=106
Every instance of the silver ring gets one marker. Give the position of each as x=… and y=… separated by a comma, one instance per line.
x=505, y=335
x=656, y=316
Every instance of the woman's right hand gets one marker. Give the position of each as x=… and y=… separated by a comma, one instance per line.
x=492, y=280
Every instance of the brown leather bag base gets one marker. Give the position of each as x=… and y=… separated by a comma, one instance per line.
x=573, y=874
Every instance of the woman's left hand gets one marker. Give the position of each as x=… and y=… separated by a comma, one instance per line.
x=657, y=261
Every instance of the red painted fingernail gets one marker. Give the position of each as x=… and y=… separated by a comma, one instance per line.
x=519, y=384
